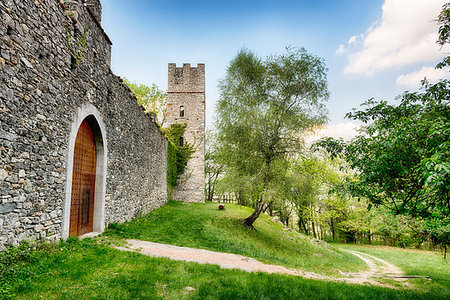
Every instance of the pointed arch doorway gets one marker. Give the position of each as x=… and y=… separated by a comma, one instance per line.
x=83, y=182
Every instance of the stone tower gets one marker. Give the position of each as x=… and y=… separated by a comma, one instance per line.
x=186, y=104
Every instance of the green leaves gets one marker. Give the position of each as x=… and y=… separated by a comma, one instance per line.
x=443, y=21
x=402, y=156
x=444, y=25
x=151, y=98
x=177, y=154
x=264, y=107
x=77, y=49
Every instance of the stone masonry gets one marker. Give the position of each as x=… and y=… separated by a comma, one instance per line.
x=49, y=82
x=186, y=88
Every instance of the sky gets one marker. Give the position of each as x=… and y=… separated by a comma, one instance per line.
x=376, y=48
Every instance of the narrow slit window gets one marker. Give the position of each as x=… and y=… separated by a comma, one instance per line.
x=181, y=111
x=181, y=141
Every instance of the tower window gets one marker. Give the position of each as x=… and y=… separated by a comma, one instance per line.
x=181, y=141
x=181, y=111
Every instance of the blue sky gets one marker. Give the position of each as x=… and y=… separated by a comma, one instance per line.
x=375, y=48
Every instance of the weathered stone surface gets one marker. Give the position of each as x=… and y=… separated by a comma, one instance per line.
x=3, y=174
x=38, y=227
x=28, y=186
x=40, y=93
x=26, y=63
x=7, y=136
x=6, y=208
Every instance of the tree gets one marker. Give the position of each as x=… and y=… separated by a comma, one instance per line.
x=306, y=174
x=151, y=98
x=213, y=166
x=313, y=179
x=444, y=32
x=263, y=109
x=402, y=157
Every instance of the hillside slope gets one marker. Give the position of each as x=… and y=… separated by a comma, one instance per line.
x=204, y=226
x=92, y=269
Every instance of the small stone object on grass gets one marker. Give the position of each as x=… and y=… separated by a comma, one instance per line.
x=320, y=243
x=221, y=207
x=188, y=289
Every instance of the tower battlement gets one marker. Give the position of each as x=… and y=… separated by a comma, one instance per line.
x=186, y=78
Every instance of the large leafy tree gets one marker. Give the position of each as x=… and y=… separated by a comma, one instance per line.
x=405, y=151
x=264, y=107
x=402, y=157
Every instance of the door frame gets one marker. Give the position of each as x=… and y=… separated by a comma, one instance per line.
x=92, y=115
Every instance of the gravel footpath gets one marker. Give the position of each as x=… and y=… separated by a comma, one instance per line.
x=234, y=261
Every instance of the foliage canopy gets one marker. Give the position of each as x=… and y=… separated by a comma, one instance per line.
x=402, y=156
x=444, y=32
x=263, y=109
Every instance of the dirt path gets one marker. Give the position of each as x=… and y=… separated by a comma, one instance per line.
x=382, y=270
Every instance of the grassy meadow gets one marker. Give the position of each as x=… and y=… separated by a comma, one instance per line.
x=92, y=269
x=203, y=226
x=413, y=262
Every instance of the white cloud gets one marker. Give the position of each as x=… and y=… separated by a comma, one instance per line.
x=406, y=34
x=340, y=50
x=352, y=40
x=351, y=43
x=413, y=79
x=345, y=130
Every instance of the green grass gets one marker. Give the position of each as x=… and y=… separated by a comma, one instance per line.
x=204, y=226
x=413, y=262
x=89, y=270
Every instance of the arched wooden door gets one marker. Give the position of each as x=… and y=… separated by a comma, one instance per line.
x=83, y=182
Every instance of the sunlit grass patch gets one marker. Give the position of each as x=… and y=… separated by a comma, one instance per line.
x=413, y=262
x=88, y=270
x=203, y=226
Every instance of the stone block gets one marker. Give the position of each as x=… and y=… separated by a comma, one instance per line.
x=7, y=208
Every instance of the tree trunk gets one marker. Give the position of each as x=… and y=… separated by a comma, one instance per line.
x=333, y=231
x=314, y=229
x=252, y=218
x=269, y=210
x=302, y=226
x=240, y=196
x=210, y=192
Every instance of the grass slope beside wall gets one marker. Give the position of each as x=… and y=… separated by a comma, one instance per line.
x=203, y=226
x=93, y=269
x=89, y=270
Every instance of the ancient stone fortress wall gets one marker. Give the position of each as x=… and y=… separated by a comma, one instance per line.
x=186, y=91
x=45, y=96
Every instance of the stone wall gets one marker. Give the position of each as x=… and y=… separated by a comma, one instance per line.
x=43, y=90
x=186, y=87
